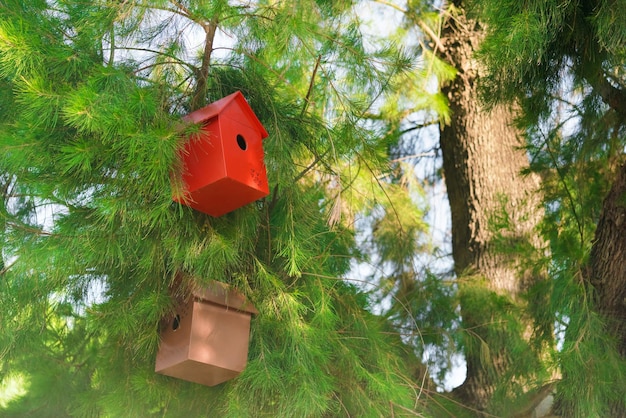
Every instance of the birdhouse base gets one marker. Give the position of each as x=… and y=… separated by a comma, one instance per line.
x=198, y=372
x=223, y=196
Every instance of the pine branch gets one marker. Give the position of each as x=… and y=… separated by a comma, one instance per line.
x=594, y=74
x=317, y=159
x=155, y=64
x=4, y=268
x=418, y=127
x=614, y=97
x=112, y=45
x=183, y=11
x=451, y=398
x=570, y=197
x=414, y=156
x=199, y=97
x=307, y=98
x=436, y=39
x=29, y=229
x=153, y=51
x=536, y=399
x=382, y=188
x=3, y=212
x=431, y=34
x=271, y=207
x=178, y=10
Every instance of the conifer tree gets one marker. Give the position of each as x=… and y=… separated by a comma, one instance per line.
x=563, y=63
x=495, y=210
x=90, y=133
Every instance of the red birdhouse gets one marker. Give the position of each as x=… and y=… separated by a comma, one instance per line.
x=223, y=166
x=206, y=340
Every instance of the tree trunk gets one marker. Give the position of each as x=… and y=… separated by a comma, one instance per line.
x=482, y=162
x=607, y=269
x=608, y=260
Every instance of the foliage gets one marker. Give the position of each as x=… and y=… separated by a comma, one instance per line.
x=92, y=95
x=563, y=62
x=91, y=99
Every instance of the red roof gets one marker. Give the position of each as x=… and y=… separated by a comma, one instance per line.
x=215, y=108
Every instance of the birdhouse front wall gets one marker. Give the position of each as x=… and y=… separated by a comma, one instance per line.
x=243, y=154
x=221, y=341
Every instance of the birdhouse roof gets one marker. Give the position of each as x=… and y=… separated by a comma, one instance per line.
x=222, y=106
x=222, y=294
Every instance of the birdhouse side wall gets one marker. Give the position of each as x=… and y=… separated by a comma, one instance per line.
x=175, y=332
x=219, y=336
x=203, y=157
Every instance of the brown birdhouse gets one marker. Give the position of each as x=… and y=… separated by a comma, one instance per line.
x=206, y=340
x=223, y=167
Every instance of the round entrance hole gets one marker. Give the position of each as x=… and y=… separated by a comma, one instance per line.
x=241, y=141
x=176, y=322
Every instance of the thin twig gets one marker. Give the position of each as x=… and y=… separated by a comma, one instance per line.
x=112, y=51
x=310, y=166
x=7, y=267
x=182, y=10
x=570, y=197
x=410, y=157
x=418, y=127
x=153, y=51
x=432, y=35
x=307, y=98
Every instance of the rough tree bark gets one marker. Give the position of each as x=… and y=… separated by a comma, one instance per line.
x=608, y=260
x=482, y=162
x=607, y=268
